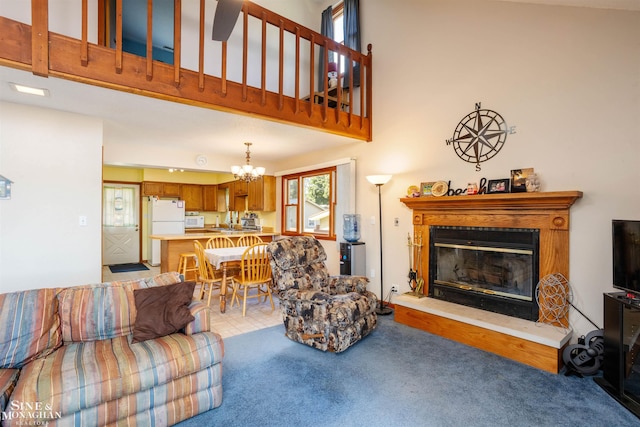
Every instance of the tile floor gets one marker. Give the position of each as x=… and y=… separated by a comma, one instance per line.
x=228, y=324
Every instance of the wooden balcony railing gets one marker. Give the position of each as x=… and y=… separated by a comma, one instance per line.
x=46, y=53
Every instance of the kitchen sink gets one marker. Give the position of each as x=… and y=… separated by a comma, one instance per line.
x=234, y=231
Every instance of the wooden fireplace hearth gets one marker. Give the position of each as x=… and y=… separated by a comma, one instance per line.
x=532, y=343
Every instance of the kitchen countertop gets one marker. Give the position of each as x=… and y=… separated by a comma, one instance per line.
x=192, y=235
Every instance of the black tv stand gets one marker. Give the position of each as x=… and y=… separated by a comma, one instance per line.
x=621, y=368
x=628, y=298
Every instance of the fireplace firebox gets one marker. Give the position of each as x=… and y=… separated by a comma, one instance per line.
x=494, y=269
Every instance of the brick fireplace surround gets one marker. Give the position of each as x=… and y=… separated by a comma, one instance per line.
x=532, y=343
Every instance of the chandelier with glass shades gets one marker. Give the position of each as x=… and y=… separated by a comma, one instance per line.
x=247, y=172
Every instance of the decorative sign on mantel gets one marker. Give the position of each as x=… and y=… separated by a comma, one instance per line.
x=480, y=135
x=5, y=188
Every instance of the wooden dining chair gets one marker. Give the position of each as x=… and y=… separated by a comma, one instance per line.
x=206, y=277
x=219, y=242
x=249, y=240
x=255, y=273
x=216, y=242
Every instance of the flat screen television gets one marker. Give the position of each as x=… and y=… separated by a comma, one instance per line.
x=626, y=256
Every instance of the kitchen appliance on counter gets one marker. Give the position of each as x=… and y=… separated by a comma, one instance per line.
x=194, y=221
x=251, y=222
x=164, y=217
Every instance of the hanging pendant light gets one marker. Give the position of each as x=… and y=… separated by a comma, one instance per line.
x=247, y=172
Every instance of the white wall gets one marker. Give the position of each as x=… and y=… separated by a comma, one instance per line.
x=55, y=162
x=567, y=78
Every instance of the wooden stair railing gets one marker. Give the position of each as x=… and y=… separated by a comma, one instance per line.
x=57, y=55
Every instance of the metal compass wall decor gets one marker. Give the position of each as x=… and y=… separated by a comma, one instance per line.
x=480, y=135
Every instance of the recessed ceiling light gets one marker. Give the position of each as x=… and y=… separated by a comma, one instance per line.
x=29, y=90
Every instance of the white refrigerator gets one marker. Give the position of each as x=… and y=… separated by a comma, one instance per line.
x=165, y=217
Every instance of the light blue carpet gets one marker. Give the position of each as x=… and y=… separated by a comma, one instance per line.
x=397, y=376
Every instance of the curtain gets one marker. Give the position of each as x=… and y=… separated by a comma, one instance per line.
x=326, y=29
x=119, y=207
x=352, y=37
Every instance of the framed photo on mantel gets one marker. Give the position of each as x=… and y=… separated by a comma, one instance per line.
x=519, y=179
x=425, y=188
x=498, y=185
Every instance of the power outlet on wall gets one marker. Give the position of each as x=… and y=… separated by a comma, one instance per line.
x=394, y=289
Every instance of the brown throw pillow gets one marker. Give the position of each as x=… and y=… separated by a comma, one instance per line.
x=162, y=310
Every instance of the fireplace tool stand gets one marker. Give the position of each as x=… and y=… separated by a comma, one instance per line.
x=416, y=281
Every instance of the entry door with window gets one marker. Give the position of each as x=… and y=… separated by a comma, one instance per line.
x=120, y=226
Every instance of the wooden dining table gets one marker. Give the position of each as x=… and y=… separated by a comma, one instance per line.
x=221, y=258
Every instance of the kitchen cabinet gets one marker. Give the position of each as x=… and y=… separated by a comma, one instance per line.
x=192, y=196
x=160, y=189
x=237, y=196
x=210, y=198
x=171, y=189
x=240, y=188
x=261, y=194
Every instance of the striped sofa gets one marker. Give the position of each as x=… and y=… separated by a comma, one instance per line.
x=68, y=358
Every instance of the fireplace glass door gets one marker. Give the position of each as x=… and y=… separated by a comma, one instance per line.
x=489, y=268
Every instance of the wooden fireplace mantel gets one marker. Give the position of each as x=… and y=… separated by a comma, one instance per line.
x=546, y=211
x=503, y=201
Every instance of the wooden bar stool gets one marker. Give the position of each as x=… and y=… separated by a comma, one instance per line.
x=188, y=264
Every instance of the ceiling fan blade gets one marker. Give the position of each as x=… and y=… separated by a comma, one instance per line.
x=225, y=19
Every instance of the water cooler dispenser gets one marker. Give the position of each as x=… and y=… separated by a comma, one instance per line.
x=352, y=253
x=352, y=259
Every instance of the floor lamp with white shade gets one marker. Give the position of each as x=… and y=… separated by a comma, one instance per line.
x=379, y=181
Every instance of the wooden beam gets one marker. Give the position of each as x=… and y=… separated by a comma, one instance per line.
x=312, y=69
x=281, y=67
x=201, y=48
x=84, y=51
x=263, y=68
x=118, y=52
x=297, y=71
x=149, y=39
x=245, y=49
x=40, y=37
x=223, y=68
x=177, y=40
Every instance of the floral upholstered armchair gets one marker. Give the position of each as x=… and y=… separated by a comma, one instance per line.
x=330, y=313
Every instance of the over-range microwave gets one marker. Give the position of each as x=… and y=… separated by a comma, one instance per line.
x=194, y=221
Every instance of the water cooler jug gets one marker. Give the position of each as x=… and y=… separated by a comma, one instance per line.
x=352, y=259
x=351, y=227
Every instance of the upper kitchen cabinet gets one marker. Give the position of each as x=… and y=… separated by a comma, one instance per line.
x=160, y=189
x=240, y=188
x=192, y=195
x=261, y=194
x=210, y=196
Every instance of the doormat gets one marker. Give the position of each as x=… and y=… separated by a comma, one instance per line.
x=125, y=268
